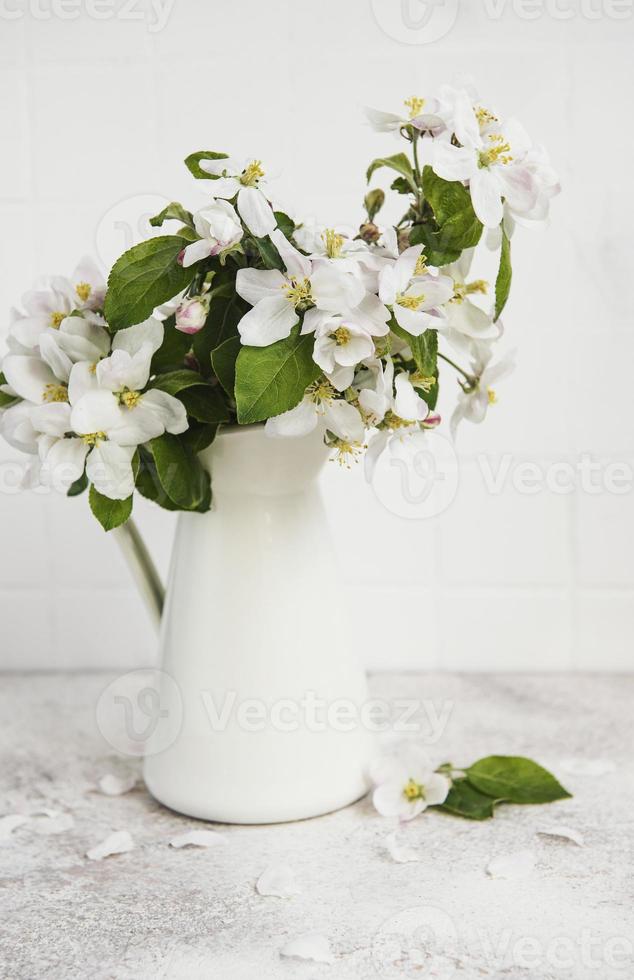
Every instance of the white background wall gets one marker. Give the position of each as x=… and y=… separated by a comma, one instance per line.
x=97, y=114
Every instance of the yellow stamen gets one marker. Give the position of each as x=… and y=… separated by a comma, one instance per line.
x=83, y=290
x=93, y=438
x=129, y=398
x=333, y=243
x=410, y=302
x=499, y=151
x=298, y=292
x=321, y=391
x=484, y=116
x=251, y=174
x=346, y=452
x=342, y=336
x=414, y=105
x=492, y=397
x=421, y=381
x=413, y=790
x=393, y=421
x=56, y=318
x=477, y=286
x=420, y=269
x=55, y=393
x=92, y=368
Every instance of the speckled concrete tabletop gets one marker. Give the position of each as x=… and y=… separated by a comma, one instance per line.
x=157, y=912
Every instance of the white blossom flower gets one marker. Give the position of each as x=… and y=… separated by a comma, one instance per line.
x=416, y=296
x=422, y=114
x=474, y=404
x=219, y=229
x=341, y=342
x=279, y=298
x=406, y=783
x=244, y=181
x=320, y=406
x=466, y=321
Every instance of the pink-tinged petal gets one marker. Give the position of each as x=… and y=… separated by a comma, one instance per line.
x=255, y=211
x=196, y=252
x=519, y=188
x=271, y=319
x=486, y=197
x=28, y=376
x=256, y=284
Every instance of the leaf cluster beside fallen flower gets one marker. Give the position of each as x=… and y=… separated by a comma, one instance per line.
x=247, y=315
x=406, y=784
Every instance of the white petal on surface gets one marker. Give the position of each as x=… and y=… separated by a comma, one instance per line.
x=278, y=880
x=255, y=211
x=118, y=843
x=562, y=833
x=9, y=823
x=400, y=852
x=310, y=946
x=256, y=284
x=113, y=785
x=56, y=823
x=588, y=767
x=518, y=864
x=198, y=838
x=272, y=319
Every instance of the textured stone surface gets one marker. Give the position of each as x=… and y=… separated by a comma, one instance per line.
x=157, y=912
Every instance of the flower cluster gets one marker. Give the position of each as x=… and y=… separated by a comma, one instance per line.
x=245, y=316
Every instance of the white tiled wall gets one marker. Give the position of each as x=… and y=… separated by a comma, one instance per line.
x=95, y=118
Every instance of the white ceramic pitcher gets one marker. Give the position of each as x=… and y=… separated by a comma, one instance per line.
x=254, y=634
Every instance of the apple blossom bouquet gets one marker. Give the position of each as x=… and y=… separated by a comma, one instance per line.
x=243, y=315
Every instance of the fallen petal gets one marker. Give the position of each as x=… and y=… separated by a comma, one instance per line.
x=54, y=823
x=310, y=946
x=10, y=823
x=519, y=864
x=400, y=852
x=564, y=833
x=117, y=843
x=113, y=785
x=588, y=767
x=278, y=880
x=198, y=838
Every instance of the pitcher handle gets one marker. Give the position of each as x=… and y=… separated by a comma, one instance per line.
x=142, y=567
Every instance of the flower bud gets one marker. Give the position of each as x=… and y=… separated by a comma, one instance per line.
x=192, y=314
x=369, y=232
x=373, y=202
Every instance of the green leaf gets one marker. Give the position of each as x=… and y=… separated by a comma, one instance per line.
x=171, y=354
x=284, y=223
x=176, y=381
x=466, y=801
x=515, y=779
x=457, y=226
x=78, y=486
x=206, y=403
x=398, y=162
x=504, y=277
x=148, y=485
x=199, y=435
x=425, y=353
x=145, y=276
x=223, y=361
x=179, y=472
x=436, y=252
x=224, y=315
x=6, y=400
x=109, y=513
x=192, y=162
x=271, y=380
x=173, y=211
x=268, y=253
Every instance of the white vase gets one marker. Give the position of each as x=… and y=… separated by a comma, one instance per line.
x=254, y=625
